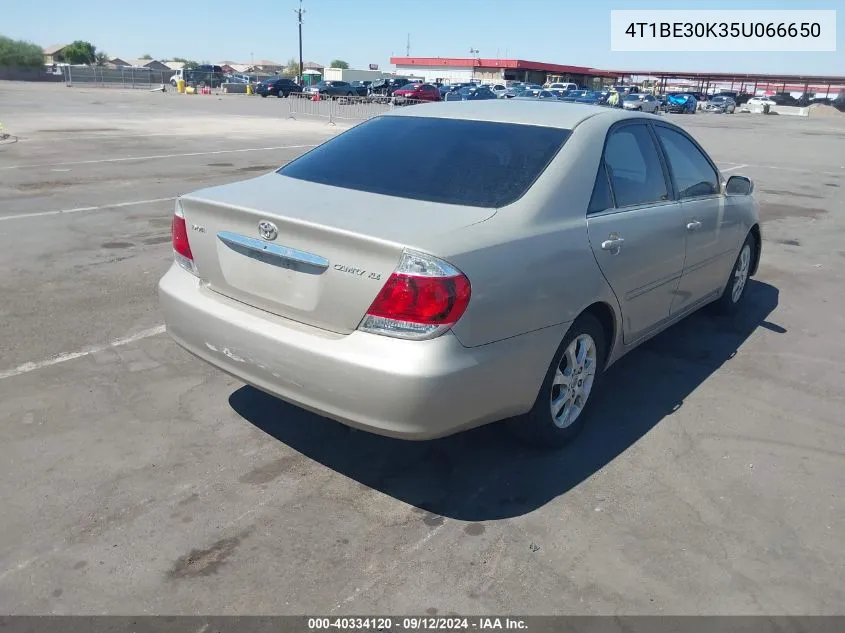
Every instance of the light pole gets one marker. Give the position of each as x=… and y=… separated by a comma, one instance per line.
x=299, y=13
x=473, y=51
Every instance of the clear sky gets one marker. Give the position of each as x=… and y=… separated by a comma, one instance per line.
x=362, y=32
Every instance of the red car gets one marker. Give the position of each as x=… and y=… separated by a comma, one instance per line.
x=417, y=92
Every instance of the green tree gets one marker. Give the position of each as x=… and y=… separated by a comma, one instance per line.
x=20, y=53
x=101, y=58
x=291, y=69
x=79, y=52
x=146, y=56
x=338, y=63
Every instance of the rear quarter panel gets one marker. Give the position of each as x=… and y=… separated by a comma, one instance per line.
x=531, y=265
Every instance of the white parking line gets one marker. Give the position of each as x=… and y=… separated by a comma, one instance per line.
x=796, y=170
x=61, y=358
x=158, y=156
x=50, y=139
x=734, y=167
x=116, y=205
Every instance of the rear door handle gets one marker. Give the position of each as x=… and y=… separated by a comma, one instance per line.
x=613, y=243
x=694, y=225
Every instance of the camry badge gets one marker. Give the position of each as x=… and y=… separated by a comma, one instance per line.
x=267, y=230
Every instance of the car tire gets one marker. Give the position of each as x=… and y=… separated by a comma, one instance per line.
x=541, y=426
x=263, y=95
x=730, y=301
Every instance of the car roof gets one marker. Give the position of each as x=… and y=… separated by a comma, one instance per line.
x=526, y=112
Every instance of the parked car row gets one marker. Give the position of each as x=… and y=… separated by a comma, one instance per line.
x=400, y=90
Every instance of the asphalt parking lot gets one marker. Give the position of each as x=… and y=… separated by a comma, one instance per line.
x=138, y=480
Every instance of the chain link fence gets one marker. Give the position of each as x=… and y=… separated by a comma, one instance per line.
x=120, y=77
x=345, y=108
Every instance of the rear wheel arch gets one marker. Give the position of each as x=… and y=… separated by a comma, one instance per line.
x=540, y=425
x=605, y=315
x=758, y=247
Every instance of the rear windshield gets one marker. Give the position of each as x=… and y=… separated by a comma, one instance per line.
x=451, y=161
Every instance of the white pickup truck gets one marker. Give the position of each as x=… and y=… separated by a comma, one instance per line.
x=179, y=74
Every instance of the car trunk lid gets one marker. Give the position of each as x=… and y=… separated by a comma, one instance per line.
x=309, y=252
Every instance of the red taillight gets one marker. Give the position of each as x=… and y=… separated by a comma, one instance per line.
x=179, y=232
x=421, y=299
x=179, y=237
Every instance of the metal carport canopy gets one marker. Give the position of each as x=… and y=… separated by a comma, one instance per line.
x=723, y=76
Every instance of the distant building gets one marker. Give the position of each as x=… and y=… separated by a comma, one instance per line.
x=313, y=66
x=117, y=62
x=454, y=70
x=52, y=54
x=268, y=66
x=152, y=64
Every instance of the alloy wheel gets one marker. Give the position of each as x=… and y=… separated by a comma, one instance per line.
x=743, y=266
x=573, y=381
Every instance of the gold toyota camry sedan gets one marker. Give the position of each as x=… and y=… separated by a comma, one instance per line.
x=489, y=262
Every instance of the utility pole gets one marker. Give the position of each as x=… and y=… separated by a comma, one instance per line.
x=408, y=46
x=299, y=13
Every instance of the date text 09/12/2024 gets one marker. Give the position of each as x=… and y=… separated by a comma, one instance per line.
x=456, y=623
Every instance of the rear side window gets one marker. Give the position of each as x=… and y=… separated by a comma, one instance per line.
x=633, y=166
x=601, y=199
x=451, y=161
x=693, y=173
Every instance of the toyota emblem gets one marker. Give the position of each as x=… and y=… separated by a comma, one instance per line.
x=267, y=230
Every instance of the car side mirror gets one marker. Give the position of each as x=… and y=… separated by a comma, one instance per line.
x=739, y=186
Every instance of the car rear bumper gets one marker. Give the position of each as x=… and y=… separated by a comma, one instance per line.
x=408, y=389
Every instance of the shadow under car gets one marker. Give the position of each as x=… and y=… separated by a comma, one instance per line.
x=485, y=474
